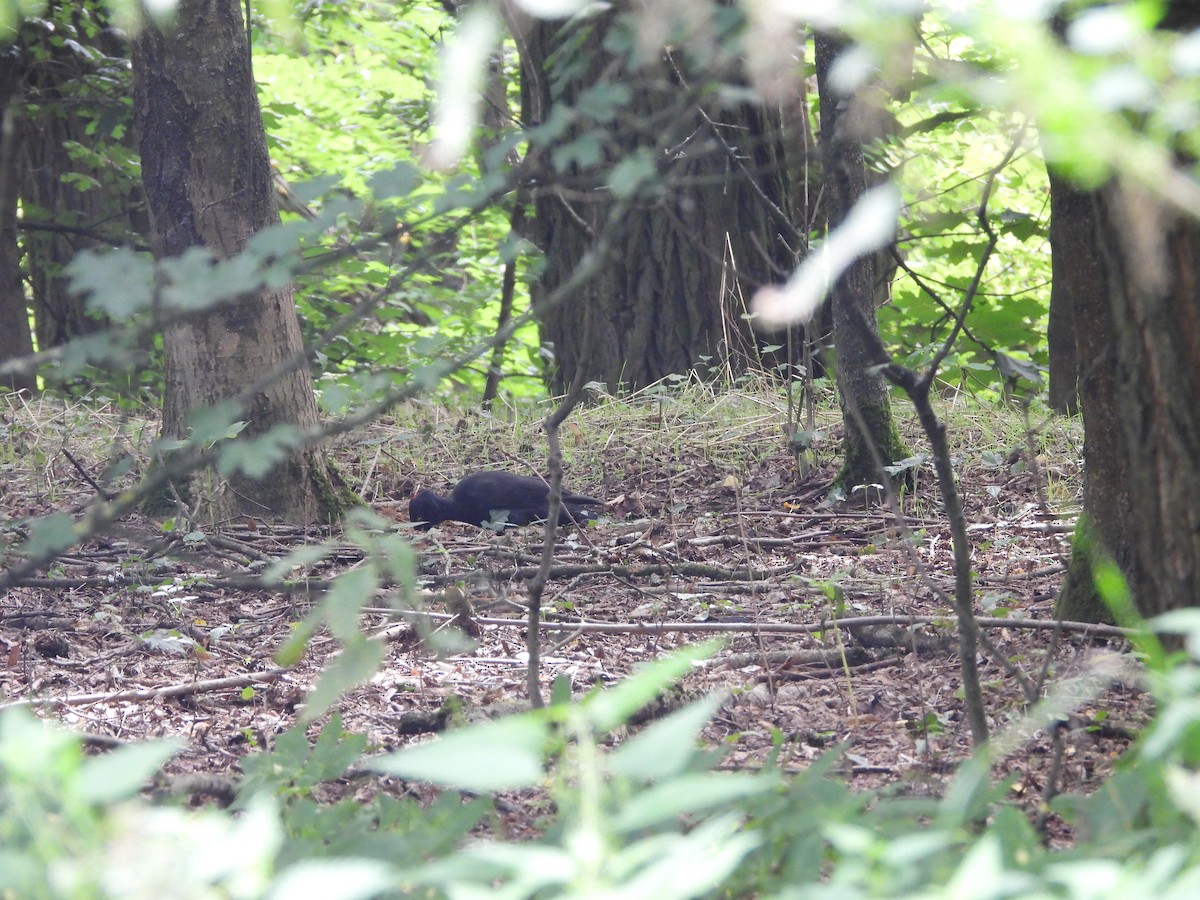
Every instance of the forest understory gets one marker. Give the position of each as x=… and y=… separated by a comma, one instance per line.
x=710, y=529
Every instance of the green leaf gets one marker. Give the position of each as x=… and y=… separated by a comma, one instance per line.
x=494, y=756
x=335, y=751
x=684, y=795
x=256, y=457
x=603, y=101
x=304, y=555
x=631, y=174
x=608, y=709
x=398, y=181
x=342, y=878
x=293, y=648
x=681, y=866
x=584, y=152
x=32, y=750
x=218, y=422
x=349, y=592
x=118, y=283
x=358, y=660
x=1012, y=367
x=1020, y=225
x=965, y=799
x=50, y=534
x=477, y=871
x=190, y=280
x=123, y=772
x=665, y=747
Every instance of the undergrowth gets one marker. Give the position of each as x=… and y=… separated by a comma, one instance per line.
x=670, y=428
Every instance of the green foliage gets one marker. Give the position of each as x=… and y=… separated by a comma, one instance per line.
x=348, y=103
x=350, y=110
x=618, y=824
x=942, y=169
x=71, y=825
x=649, y=818
x=388, y=559
x=53, y=533
x=292, y=768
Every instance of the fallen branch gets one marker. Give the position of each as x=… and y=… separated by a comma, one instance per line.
x=175, y=690
x=1088, y=629
x=792, y=659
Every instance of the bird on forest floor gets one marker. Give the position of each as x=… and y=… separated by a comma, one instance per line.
x=495, y=500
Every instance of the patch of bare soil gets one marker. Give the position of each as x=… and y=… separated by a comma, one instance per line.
x=140, y=633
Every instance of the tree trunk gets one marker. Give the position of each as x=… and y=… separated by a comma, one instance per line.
x=674, y=288
x=1068, y=233
x=208, y=183
x=48, y=200
x=864, y=397
x=70, y=202
x=1139, y=352
x=15, y=338
x=1150, y=255
x=1082, y=292
x=76, y=174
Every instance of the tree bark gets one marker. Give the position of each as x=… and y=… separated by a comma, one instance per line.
x=870, y=428
x=208, y=183
x=16, y=340
x=48, y=131
x=1139, y=353
x=70, y=202
x=1068, y=232
x=674, y=291
x=1081, y=290
x=1150, y=255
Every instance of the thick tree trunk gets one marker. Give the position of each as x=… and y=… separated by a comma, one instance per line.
x=1082, y=292
x=208, y=183
x=1130, y=263
x=15, y=338
x=1151, y=260
x=673, y=291
x=865, y=401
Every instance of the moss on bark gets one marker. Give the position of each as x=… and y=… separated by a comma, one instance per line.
x=1078, y=600
x=859, y=465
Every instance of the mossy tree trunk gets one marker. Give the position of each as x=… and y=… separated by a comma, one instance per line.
x=870, y=428
x=208, y=183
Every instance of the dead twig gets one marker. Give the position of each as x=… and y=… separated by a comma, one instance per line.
x=175, y=690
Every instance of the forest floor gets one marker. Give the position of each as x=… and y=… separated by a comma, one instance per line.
x=710, y=529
